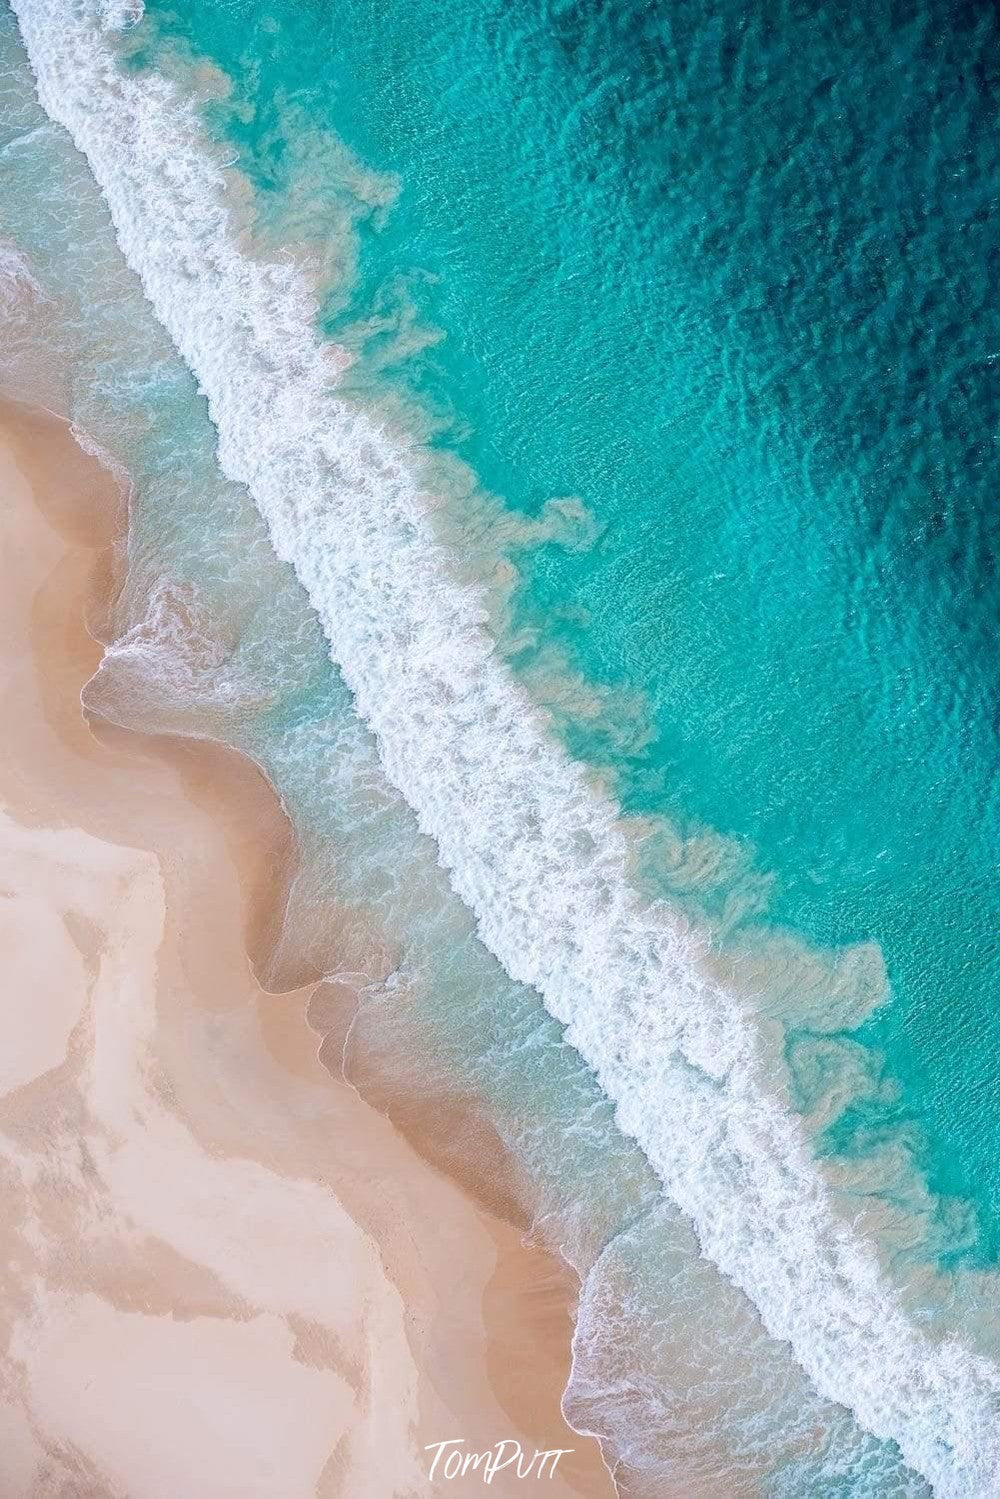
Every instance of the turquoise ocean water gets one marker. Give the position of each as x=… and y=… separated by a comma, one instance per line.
x=688, y=318
x=727, y=279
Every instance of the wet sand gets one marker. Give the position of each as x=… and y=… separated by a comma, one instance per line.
x=223, y=1275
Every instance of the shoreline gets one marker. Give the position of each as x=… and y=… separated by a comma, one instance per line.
x=158, y=1079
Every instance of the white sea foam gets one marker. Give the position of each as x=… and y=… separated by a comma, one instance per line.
x=530, y=843
x=16, y=278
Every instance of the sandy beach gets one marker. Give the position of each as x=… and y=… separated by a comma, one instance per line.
x=224, y=1275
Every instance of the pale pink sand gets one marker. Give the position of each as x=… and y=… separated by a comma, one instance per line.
x=222, y=1275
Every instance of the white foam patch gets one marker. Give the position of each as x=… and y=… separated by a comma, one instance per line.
x=17, y=280
x=529, y=842
x=173, y=657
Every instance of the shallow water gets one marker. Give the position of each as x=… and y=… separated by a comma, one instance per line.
x=754, y=624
